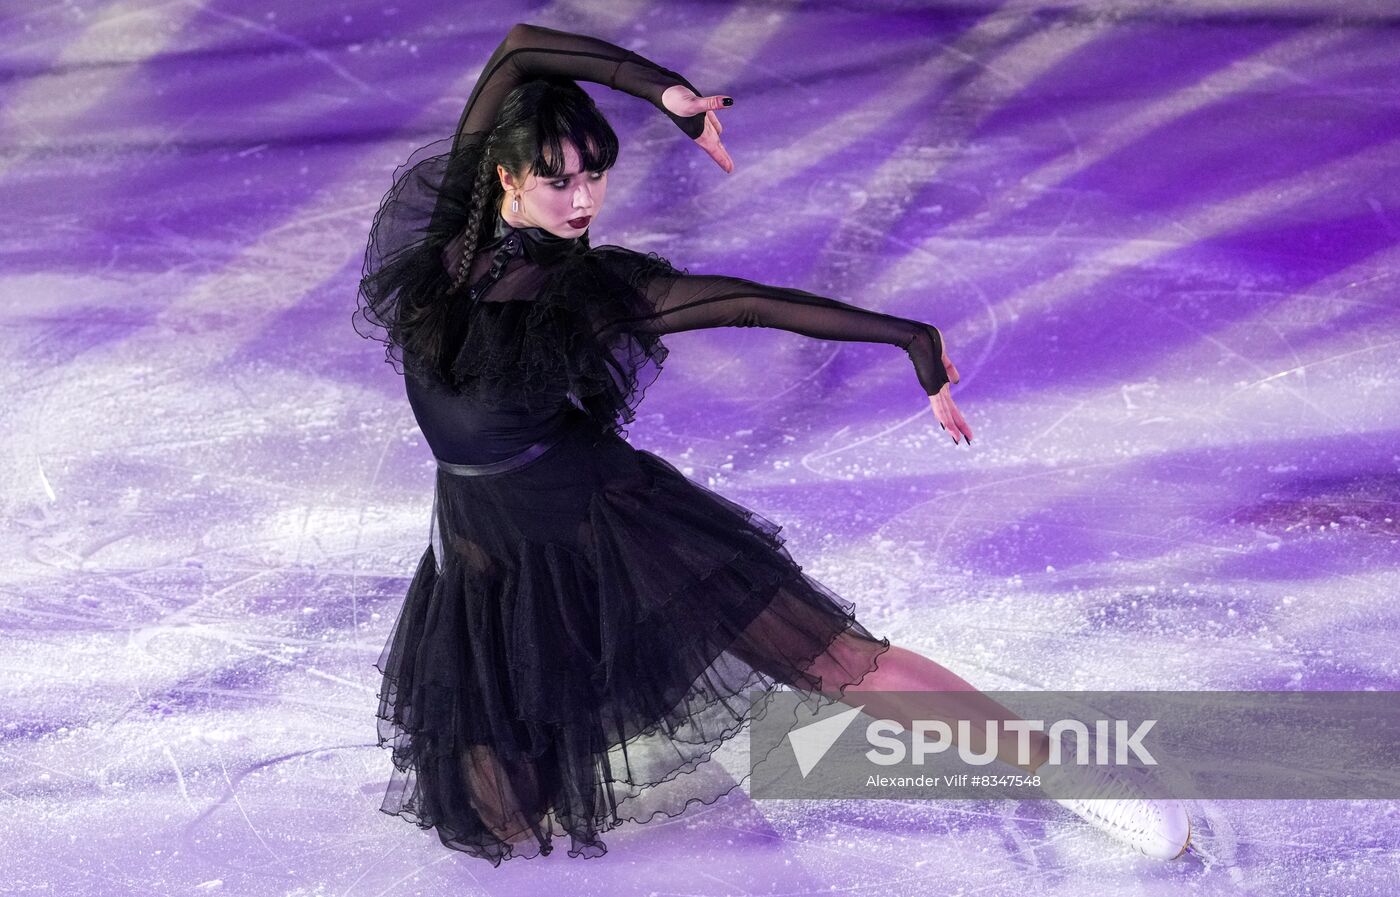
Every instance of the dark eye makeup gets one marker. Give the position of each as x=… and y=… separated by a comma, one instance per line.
x=563, y=182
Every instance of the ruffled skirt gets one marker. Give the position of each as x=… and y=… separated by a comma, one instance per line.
x=580, y=637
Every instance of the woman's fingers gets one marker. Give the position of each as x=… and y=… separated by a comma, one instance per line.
x=726, y=162
x=960, y=421
x=957, y=426
x=709, y=141
x=949, y=417
x=940, y=413
x=681, y=100
x=718, y=153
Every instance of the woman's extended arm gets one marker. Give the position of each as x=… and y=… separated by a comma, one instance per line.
x=695, y=301
x=532, y=51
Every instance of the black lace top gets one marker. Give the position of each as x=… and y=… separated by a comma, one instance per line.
x=552, y=326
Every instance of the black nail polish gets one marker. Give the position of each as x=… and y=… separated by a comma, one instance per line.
x=727, y=101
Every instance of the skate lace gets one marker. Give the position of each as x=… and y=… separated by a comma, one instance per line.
x=1101, y=794
x=1117, y=801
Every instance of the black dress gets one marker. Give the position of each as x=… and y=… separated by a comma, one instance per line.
x=588, y=626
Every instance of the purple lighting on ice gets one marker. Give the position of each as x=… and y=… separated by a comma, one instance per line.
x=1162, y=243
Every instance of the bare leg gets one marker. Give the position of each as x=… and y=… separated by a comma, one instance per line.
x=493, y=793
x=902, y=670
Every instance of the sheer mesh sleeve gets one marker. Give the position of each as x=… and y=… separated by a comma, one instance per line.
x=676, y=301
x=532, y=51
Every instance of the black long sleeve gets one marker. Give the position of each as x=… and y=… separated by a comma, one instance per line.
x=678, y=302
x=533, y=51
x=682, y=302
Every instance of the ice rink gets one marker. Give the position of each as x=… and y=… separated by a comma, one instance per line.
x=1162, y=242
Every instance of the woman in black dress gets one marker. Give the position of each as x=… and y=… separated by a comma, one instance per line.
x=585, y=627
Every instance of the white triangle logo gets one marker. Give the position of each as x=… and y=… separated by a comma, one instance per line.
x=810, y=743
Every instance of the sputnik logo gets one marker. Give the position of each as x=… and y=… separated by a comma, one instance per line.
x=810, y=743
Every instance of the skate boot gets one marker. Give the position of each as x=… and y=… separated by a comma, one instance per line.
x=1113, y=802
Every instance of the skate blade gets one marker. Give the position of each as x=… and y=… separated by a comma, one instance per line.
x=1188, y=839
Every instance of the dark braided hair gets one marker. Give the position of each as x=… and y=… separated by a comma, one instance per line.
x=481, y=188
x=536, y=119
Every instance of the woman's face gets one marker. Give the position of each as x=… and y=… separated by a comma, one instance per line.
x=557, y=205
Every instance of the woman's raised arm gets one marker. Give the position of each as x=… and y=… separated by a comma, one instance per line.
x=533, y=51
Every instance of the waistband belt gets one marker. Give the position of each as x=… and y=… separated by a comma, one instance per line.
x=514, y=462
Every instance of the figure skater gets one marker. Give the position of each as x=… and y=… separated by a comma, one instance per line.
x=586, y=625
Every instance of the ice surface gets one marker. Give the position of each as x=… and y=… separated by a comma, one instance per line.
x=1162, y=242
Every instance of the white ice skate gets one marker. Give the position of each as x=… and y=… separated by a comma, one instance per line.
x=1112, y=802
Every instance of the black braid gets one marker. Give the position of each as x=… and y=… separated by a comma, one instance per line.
x=481, y=194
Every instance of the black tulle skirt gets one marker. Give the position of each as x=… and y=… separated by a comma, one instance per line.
x=581, y=637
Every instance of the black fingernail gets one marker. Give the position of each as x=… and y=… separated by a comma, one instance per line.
x=727, y=101
x=940, y=426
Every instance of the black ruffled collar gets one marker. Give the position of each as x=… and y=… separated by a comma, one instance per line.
x=539, y=245
x=508, y=242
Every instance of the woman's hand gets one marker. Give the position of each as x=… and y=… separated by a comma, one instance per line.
x=949, y=417
x=681, y=100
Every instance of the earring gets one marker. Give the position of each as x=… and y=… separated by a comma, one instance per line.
x=515, y=203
